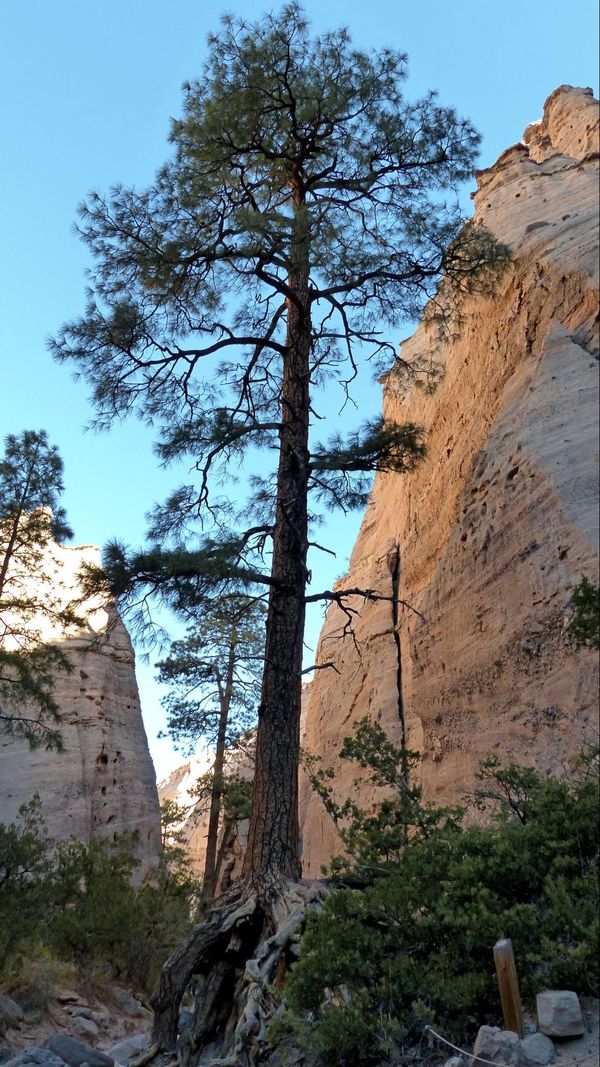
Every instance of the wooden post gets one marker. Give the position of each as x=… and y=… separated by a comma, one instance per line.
x=508, y=984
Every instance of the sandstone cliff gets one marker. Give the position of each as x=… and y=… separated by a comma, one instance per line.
x=177, y=787
x=232, y=841
x=487, y=538
x=103, y=782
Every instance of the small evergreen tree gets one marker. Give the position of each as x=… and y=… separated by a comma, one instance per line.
x=584, y=627
x=421, y=897
x=24, y=868
x=172, y=837
x=215, y=675
x=234, y=794
x=31, y=481
x=372, y=838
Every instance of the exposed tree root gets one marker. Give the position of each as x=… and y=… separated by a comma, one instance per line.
x=239, y=952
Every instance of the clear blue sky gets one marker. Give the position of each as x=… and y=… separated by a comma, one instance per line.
x=87, y=89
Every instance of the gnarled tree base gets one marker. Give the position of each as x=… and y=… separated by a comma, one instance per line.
x=240, y=951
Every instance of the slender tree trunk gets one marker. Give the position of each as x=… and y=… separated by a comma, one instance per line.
x=12, y=538
x=9, y=552
x=215, y=811
x=225, y=693
x=272, y=853
x=227, y=842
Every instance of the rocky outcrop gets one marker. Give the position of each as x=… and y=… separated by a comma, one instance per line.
x=179, y=787
x=488, y=537
x=103, y=782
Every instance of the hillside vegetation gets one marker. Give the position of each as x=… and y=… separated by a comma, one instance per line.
x=422, y=895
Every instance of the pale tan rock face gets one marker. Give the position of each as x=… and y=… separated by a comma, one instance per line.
x=179, y=787
x=103, y=783
x=500, y=521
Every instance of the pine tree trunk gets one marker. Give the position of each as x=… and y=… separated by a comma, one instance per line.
x=272, y=853
x=228, y=839
x=215, y=809
x=225, y=694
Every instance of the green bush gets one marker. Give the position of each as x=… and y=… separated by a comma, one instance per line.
x=75, y=903
x=167, y=907
x=24, y=867
x=584, y=627
x=407, y=936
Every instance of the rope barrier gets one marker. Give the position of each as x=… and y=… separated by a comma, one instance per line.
x=586, y=1061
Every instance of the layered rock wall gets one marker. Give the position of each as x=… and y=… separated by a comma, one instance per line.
x=491, y=533
x=103, y=782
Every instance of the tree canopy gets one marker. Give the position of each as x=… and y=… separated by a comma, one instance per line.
x=31, y=481
x=293, y=154
x=217, y=665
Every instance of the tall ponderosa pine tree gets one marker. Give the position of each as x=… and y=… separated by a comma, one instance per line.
x=299, y=221
x=214, y=677
x=31, y=474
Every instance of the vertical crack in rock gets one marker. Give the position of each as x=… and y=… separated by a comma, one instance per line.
x=393, y=562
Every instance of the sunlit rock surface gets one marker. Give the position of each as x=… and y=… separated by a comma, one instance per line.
x=179, y=787
x=103, y=782
x=501, y=520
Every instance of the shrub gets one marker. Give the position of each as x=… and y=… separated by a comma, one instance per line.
x=584, y=627
x=35, y=974
x=99, y=917
x=24, y=866
x=413, y=944
x=167, y=906
x=74, y=903
x=93, y=905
